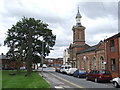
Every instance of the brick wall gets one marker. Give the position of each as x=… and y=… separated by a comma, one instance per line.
x=113, y=55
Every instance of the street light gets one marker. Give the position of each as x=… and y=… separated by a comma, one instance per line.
x=42, y=56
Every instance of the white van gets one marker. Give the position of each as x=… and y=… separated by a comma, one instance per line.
x=65, y=68
x=71, y=71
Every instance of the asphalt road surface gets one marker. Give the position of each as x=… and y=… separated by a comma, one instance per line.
x=59, y=80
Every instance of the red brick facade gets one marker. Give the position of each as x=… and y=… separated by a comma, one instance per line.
x=113, y=54
x=53, y=62
x=8, y=63
x=104, y=55
x=91, y=58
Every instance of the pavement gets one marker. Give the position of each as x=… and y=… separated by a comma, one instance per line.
x=52, y=80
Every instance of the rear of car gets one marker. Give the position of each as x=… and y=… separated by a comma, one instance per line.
x=57, y=69
x=97, y=76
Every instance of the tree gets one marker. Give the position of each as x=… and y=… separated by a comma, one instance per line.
x=25, y=40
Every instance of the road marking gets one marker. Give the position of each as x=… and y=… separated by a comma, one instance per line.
x=68, y=82
x=58, y=87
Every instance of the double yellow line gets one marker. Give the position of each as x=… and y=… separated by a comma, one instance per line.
x=77, y=86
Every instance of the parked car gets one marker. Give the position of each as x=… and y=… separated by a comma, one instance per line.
x=64, y=68
x=57, y=69
x=80, y=73
x=70, y=71
x=8, y=68
x=44, y=66
x=99, y=75
x=22, y=68
x=116, y=82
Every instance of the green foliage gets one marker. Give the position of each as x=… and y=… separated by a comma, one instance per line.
x=24, y=40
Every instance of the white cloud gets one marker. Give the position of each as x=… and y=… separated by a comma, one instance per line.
x=100, y=19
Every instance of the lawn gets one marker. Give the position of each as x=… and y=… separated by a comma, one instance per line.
x=20, y=81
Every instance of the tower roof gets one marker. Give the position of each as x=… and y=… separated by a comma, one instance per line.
x=78, y=14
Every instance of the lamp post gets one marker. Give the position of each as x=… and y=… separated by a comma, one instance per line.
x=42, y=55
x=105, y=52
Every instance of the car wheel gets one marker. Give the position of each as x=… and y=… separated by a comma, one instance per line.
x=115, y=84
x=96, y=80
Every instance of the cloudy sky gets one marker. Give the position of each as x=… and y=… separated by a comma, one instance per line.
x=100, y=17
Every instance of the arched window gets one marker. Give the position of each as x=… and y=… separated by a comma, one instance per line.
x=94, y=63
x=102, y=65
x=82, y=63
x=87, y=63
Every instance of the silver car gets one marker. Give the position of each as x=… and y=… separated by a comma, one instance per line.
x=116, y=82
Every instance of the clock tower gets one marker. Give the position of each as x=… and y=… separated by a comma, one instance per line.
x=78, y=31
x=78, y=40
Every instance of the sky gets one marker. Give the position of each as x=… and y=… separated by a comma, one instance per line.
x=100, y=17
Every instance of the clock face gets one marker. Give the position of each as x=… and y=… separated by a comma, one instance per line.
x=78, y=20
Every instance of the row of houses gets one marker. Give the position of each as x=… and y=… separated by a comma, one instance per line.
x=104, y=55
x=53, y=62
x=7, y=62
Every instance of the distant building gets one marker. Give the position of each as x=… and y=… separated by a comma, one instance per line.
x=66, y=56
x=113, y=54
x=53, y=62
x=7, y=62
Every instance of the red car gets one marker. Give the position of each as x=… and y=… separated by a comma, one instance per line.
x=57, y=69
x=99, y=75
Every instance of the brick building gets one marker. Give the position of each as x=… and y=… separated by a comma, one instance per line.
x=78, y=40
x=113, y=54
x=104, y=55
x=53, y=62
x=92, y=57
x=7, y=62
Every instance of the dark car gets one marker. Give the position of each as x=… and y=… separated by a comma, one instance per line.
x=8, y=68
x=80, y=73
x=99, y=75
x=57, y=69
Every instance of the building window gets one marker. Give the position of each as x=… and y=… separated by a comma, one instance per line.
x=94, y=63
x=113, y=64
x=87, y=64
x=78, y=34
x=112, y=46
x=102, y=63
x=82, y=63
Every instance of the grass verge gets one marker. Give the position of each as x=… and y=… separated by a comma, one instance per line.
x=20, y=81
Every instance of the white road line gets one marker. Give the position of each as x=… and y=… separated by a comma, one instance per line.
x=59, y=87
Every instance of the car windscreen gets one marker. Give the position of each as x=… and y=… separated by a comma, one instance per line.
x=82, y=71
x=69, y=67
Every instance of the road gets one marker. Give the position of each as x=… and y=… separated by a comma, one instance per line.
x=59, y=80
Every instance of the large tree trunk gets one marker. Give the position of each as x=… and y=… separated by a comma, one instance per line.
x=18, y=66
x=29, y=58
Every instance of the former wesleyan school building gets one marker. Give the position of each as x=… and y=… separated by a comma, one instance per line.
x=104, y=55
